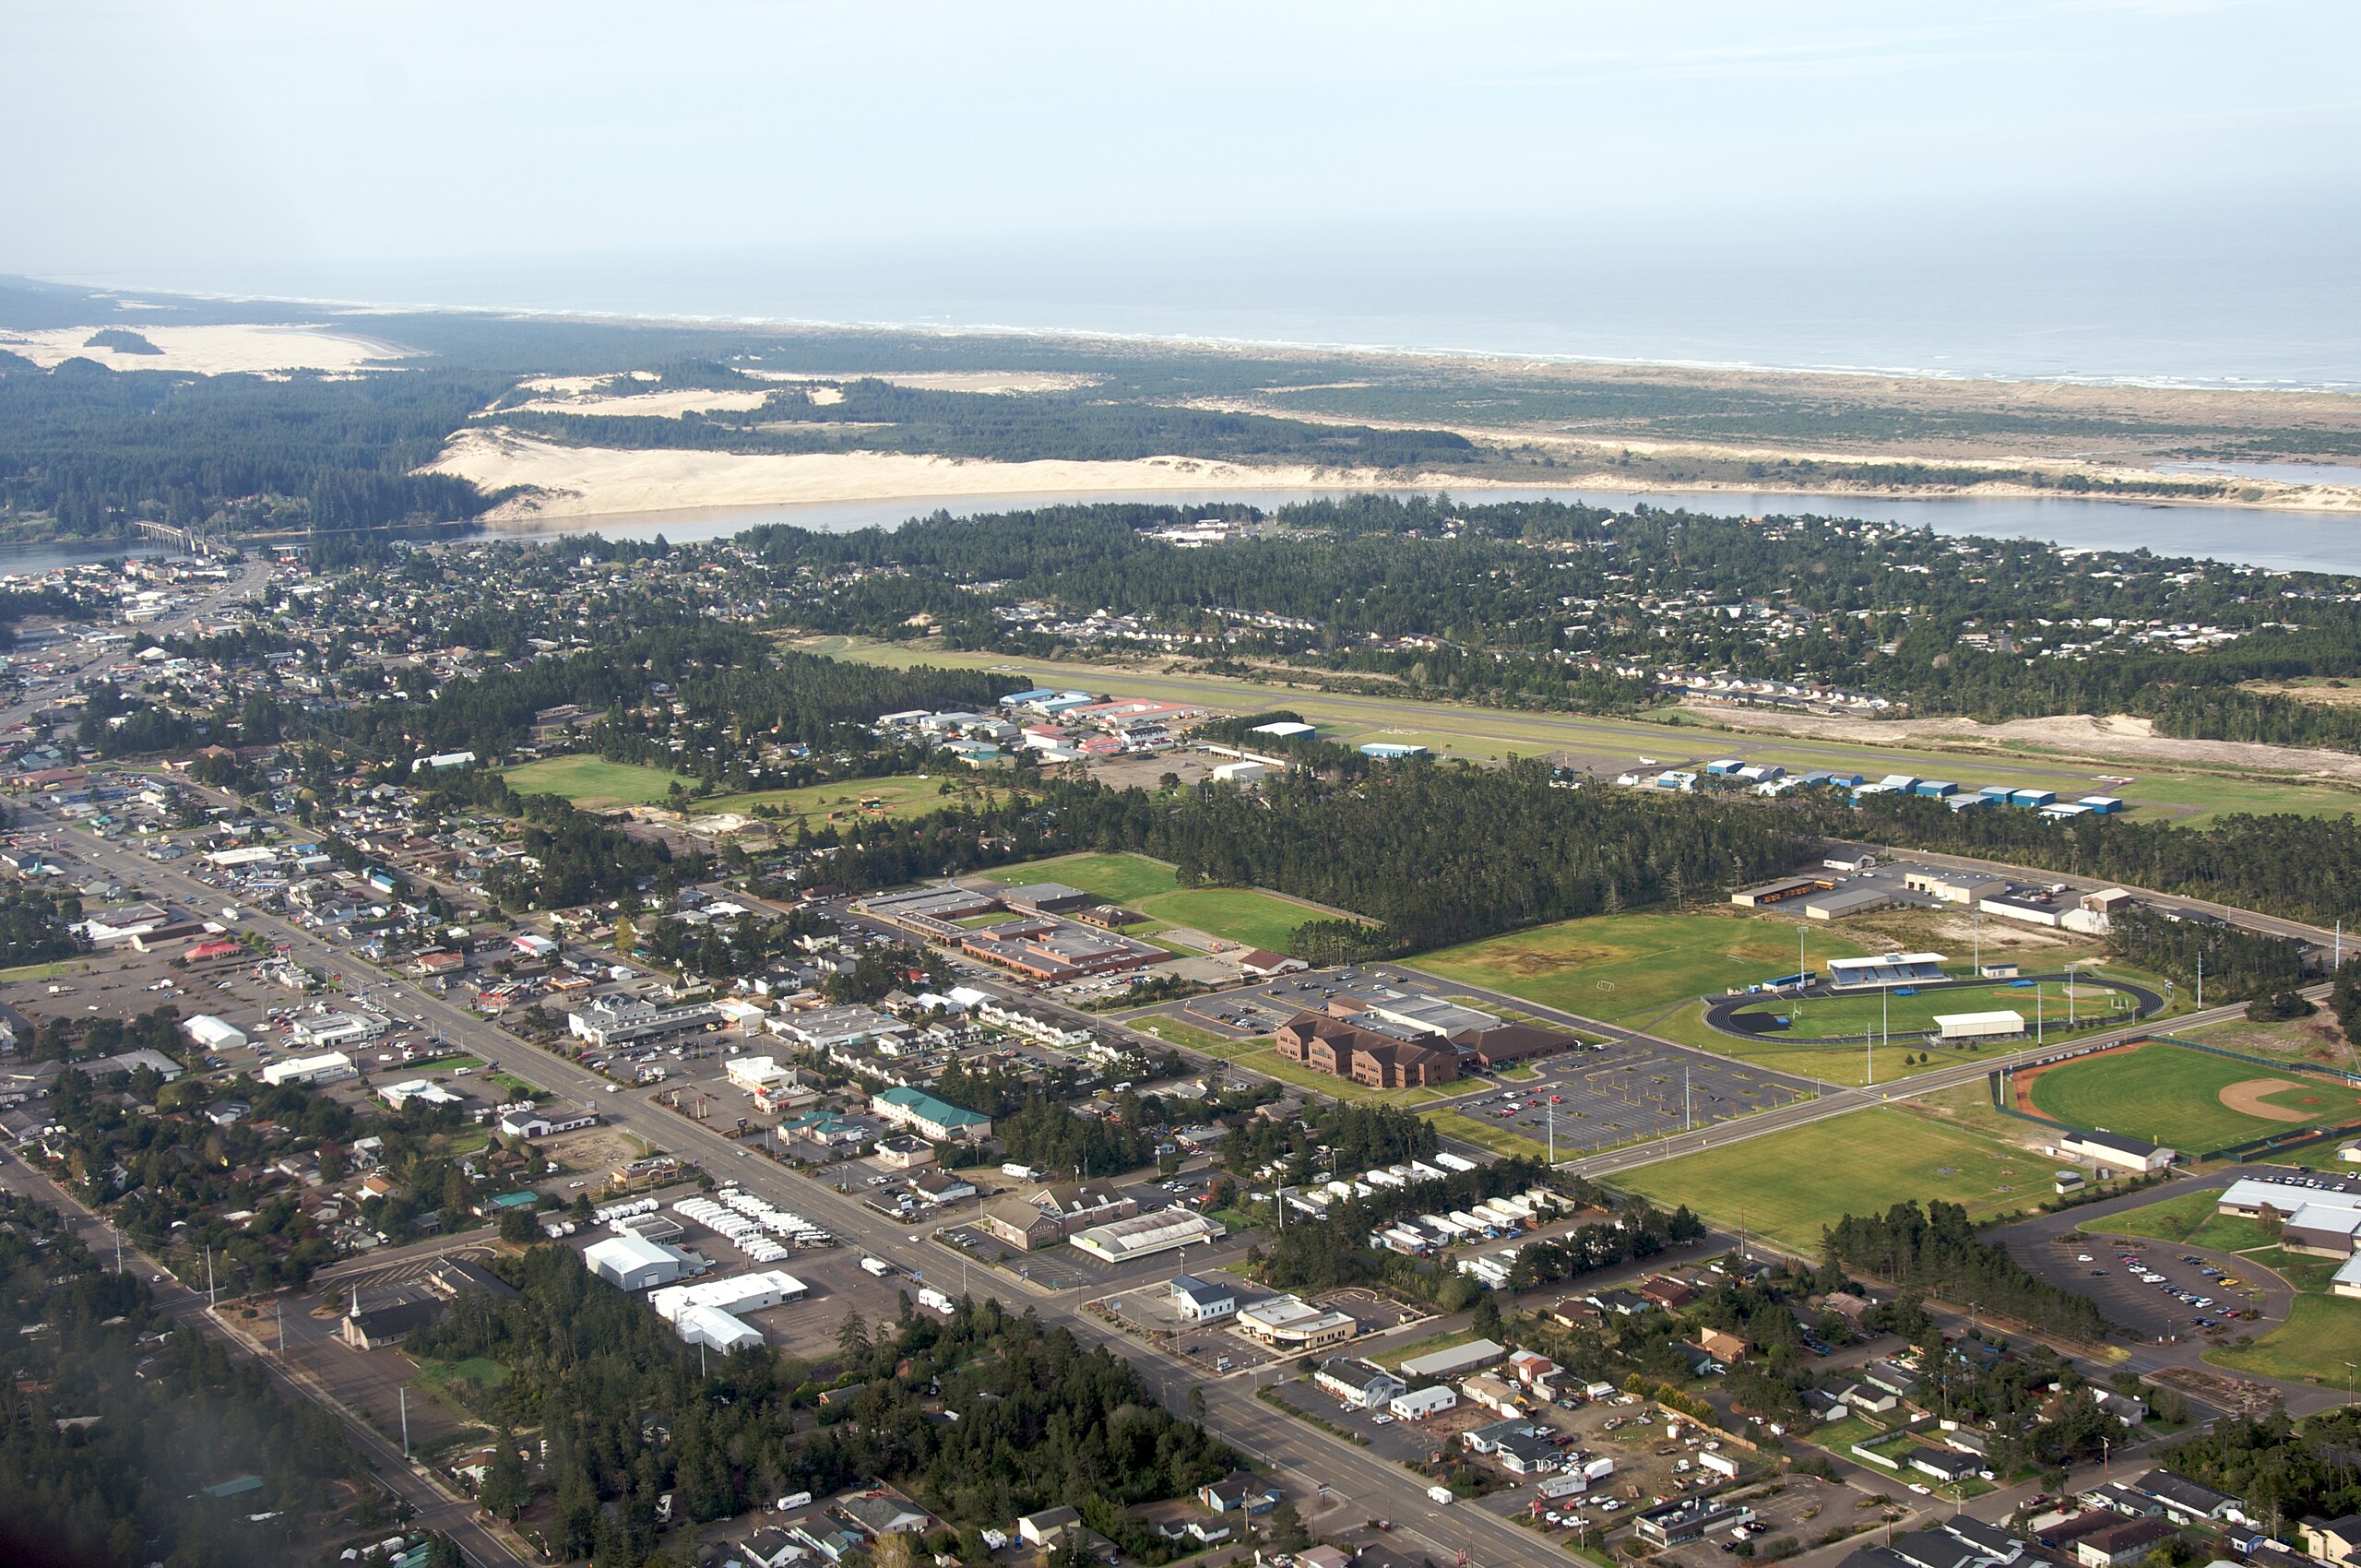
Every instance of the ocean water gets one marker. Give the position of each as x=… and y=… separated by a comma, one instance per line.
x=2275, y=302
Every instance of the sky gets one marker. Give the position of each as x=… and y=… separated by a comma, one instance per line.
x=924, y=160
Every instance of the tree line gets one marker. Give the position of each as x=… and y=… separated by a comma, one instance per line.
x=1935, y=1251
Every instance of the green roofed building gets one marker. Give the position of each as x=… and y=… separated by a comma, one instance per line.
x=929, y=1117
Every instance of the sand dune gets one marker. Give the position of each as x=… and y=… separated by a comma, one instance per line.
x=651, y=405
x=946, y=380
x=228, y=349
x=582, y=482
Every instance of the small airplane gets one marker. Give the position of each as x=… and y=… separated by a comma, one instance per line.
x=1647, y=761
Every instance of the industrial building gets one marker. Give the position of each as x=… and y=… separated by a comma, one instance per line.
x=1997, y=1023
x=611, y=1021
x=1145, y=1235
x=331, y=1031
x=212, y=1033
x=707, y=1312
x=634, y=1263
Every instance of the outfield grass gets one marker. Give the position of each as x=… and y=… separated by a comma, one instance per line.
x=2173, y=1096
x=1862, y=1164
x=1616, y=967
x=1238, y=914
x=593, y=780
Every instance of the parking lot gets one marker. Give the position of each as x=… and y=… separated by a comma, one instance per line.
x=1587, y=1100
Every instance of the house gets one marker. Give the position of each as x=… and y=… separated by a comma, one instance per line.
x=1239, y=1492
x=2124, y=1543
x=1945, y=1465
x=1197, y=1299
x=1492, y=1394
x=2332, y=1540
x=1723, y=1346
x=1264, y=964
x=2131, y=1411
x=1364, y=1385
x=2186, y=1501
x=1049, y=1528
x=881, y=1512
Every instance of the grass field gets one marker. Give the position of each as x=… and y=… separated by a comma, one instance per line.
x=1896, y=1015
x=51, y=970
x=2173, y=1096
x=1844, y=1065
x=1617, y=967
x=901, y=795
x=2184, y=795
x=1238, y=914
x=1863, y=1163
x=593, y=780
x=2321, y=1334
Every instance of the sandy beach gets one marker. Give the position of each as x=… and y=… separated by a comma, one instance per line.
x=229, y=350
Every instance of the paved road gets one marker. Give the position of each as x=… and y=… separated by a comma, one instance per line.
x=435, y=1509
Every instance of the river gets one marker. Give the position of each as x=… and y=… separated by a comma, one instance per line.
x=2247, y=536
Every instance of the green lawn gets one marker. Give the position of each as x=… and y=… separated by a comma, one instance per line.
x=900, y=795
x=1190, y=1037
x=1862, y=1163
x=2173, y=1096
x=1857, y=1014
x=1615, y=966
x=1238, y=914
x=2320, y=1335
x=2173, y=1220
x=1843, y=1064
x=51, y=970
x=1127, y=880
x=587, y=781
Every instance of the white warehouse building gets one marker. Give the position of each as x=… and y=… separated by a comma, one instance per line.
x=212, y=1033
x=324, y=1068
x=707, y=1312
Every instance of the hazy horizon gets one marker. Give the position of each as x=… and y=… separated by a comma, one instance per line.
x=2057, y=188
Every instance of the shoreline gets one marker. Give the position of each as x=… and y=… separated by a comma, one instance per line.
x=1203, y=340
